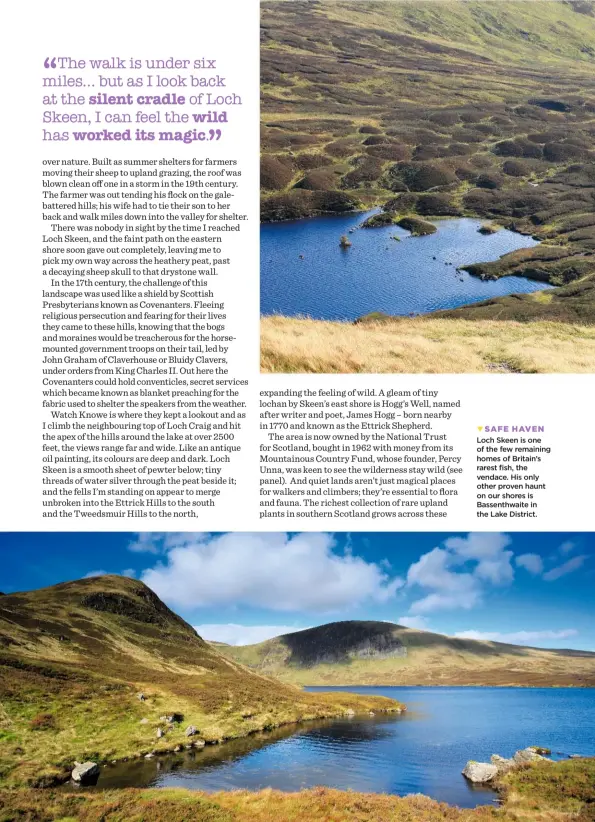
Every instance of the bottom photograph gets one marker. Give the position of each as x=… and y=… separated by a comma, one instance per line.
x=297, y=676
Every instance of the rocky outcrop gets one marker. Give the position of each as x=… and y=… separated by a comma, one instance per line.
x=340, y=642
x=503, y=765
x=479, y=772
x=526, y=755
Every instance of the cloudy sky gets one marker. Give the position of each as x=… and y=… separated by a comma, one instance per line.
x=532, y=589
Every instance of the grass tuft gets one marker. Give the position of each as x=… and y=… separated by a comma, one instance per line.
x=425, y=345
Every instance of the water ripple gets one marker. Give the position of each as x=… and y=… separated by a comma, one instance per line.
x=419, y=752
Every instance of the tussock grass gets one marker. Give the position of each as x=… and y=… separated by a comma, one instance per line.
x=425, y=346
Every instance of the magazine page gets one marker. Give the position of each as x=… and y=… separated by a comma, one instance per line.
x=298, y=346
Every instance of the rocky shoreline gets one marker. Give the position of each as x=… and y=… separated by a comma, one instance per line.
x=87, y=773
x=481, y=773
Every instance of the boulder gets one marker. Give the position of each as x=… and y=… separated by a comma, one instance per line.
x=144, y=721
x=350, y=712
x=539, y=750
x=160, y=733
x=526, y=755
x=141, y=697
x=85, y=772
x=199, y=743
x=479, y=772
x=501, y=763
x=191, y=730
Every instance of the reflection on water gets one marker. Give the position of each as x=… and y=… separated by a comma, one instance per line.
x=422, y=751
x=305, y=272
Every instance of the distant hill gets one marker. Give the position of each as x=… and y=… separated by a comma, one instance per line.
x=75, y=659
x=382, y=653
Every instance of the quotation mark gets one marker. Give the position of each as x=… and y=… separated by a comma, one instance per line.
x=50, y=62
x=215, y=134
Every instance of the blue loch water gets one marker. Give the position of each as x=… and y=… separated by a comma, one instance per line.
x=422, y=751
x=413, y=276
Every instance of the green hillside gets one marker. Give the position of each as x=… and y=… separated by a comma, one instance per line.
x=381, y=653
x=75, y=657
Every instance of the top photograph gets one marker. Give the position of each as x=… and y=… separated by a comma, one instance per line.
x=427, y=186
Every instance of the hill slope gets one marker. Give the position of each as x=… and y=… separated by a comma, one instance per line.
x=381, y=653
x=74, y=658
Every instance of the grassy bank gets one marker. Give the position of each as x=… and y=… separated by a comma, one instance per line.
x=75, y=657
x=427, y=345
x=544, y=792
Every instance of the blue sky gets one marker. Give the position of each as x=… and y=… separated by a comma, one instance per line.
x=532, y=589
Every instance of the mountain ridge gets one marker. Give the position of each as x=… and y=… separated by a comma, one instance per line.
x=355, y=652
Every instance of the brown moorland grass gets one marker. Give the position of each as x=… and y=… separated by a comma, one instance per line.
x=540, y=792
x=425, y=345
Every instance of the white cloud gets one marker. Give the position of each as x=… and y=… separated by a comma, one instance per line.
x=567, y=547
x=493, y=562
x=441, y=573
x=518, y=637
x=530, y=562
x=276, y=571
x=95, y=574
x=419, y=622
x=449, y=589
x=234, y=634
x=566, y=568
x=146, y=543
